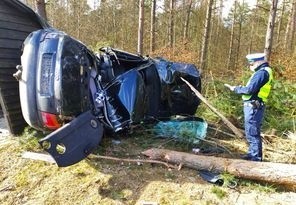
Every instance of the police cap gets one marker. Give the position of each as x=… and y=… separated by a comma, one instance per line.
x=255, y=57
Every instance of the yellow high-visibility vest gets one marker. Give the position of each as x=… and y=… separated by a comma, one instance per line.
x=265, y=89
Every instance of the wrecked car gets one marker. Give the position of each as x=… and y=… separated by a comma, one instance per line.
x=76, y=95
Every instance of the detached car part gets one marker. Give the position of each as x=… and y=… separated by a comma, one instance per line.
x=67, y=88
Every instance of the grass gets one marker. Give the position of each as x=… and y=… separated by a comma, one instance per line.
x=261, y=187
x=110, y=182
x=219, y=192
x=98, y=181
x=229, y=179
x=29, y=139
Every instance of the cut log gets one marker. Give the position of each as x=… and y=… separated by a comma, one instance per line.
x=277, y=173
x=224, y=119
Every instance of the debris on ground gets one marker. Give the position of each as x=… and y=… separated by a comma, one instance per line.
x=189, y=131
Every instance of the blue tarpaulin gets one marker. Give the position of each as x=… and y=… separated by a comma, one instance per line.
x=191, y=131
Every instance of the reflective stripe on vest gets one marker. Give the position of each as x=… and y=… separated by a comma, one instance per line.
x=264, y=90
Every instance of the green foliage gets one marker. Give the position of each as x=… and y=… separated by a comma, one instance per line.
x=122, y=194
x=170, y=175
x=219, y=192
x=228, y=179
x=281, y=106
x=29, y=139
x=254, y=185
x=225, y=101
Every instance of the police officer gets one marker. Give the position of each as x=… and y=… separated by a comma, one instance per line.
x=254, y=95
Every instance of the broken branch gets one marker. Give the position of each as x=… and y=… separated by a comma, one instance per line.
x=225, y=120
x=133, y=160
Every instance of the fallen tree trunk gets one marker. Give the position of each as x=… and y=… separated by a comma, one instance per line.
x=278, y=173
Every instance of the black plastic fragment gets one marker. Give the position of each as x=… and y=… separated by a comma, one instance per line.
x=74, y=141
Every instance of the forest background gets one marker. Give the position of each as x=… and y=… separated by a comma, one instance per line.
x=191, y=31
x=195, y=31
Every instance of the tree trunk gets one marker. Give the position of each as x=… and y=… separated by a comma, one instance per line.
x=220, y=18
x=278, y=173
x=141, y=27
x=253, y=30
x=270, y=28
x=219, y=24
x=186, y=26
x=152, y=26
x=293, y=27
x=239, y=36
x=216, y=33
x=171, y=24
x=205, y=43
x=287, y=32
x=229, y=61
x=278, y=38
x=40, y=6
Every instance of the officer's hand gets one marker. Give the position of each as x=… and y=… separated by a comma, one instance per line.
x=229, y=86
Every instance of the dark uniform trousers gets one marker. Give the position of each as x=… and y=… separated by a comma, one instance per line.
x=253, y=115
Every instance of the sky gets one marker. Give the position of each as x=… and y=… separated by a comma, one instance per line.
x=228, y=4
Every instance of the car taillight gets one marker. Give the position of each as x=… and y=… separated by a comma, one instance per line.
x=50, y=120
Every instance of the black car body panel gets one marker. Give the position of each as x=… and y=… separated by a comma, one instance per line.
x=125, y=99
x=75, y=140
x=176, y=97
x=62, y=80
x=55, y=77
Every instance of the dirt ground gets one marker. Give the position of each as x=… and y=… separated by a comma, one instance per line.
x=97, y=181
